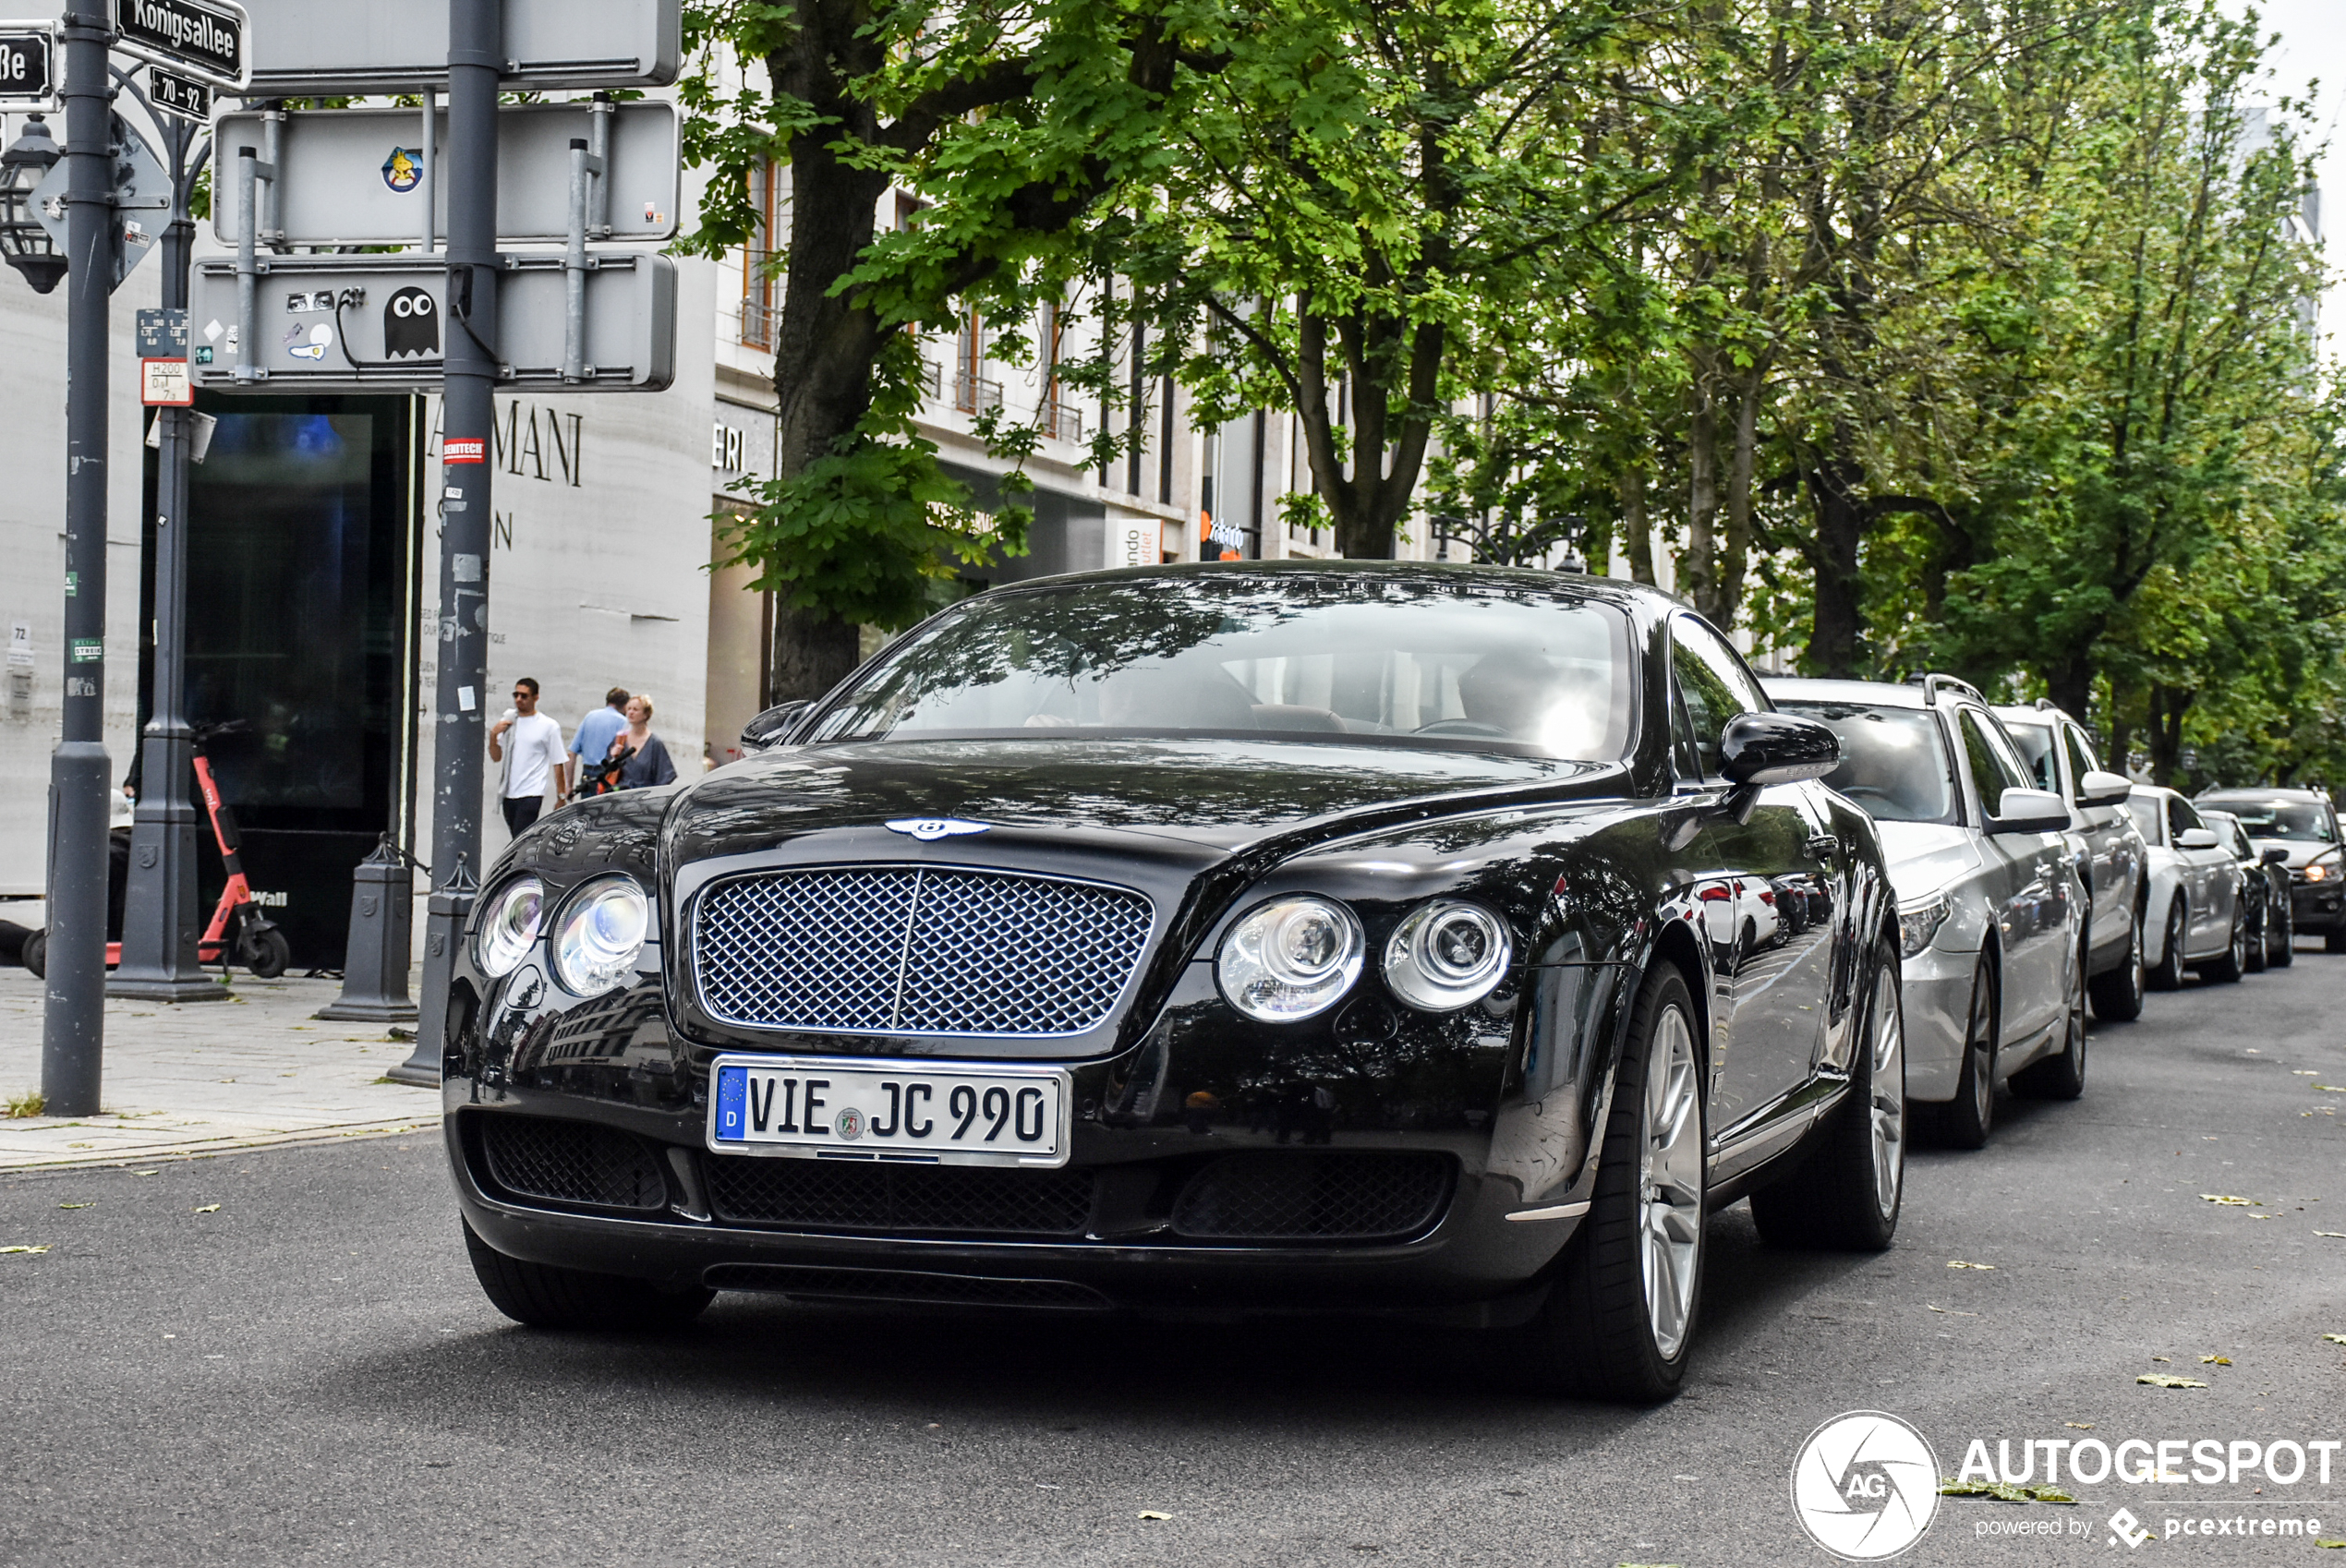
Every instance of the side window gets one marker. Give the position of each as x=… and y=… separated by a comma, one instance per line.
x=2081, y=755
x=1993, y=770
x=1712, y=684
x=2181, y=818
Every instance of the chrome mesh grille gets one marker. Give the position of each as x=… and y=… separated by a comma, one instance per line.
x=916, y=950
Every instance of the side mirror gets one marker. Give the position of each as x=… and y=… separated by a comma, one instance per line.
x=2099, y=789
x=2196, y=839
x=770, y=729
x=2031, y=811
x=1761, y=748
x=2275, y=856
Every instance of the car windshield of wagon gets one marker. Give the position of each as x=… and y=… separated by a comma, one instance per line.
x=1893, y=760
x=2282, y=819
x=1387, y=660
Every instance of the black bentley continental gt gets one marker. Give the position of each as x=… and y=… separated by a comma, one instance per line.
x=1240, y=938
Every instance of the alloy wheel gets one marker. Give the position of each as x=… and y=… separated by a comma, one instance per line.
x=1670, y=1182
x=1888, y=1117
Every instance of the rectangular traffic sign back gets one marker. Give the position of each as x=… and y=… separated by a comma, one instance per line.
x=403, y=47
x=203, y=37
x=28, y=56
x=379, y=323
x=354, y=176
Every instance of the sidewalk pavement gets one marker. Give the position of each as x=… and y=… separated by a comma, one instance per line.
x=195, y=1078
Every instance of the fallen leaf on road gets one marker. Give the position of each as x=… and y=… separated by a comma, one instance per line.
x=2000, y=1492
x=36, y=1250
x=146, y=1173
x=2334, y=1338
x=2161, y=1380
x=1151, y=1513
x=2333, y=1235
x=2305, y=1072
x=2236, y=1202
x=2328, y=1089
x=1951, y=1311
x=2080, y=1426
x=2215, y=1360
x=1959, y=1264
x=2162, y=1358
x=2326, y=1541
x=209, y=1209
x=73, y=1205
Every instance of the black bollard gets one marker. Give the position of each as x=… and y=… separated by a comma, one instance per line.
x=374, y=970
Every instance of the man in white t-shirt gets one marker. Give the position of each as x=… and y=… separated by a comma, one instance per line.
x=532, y=754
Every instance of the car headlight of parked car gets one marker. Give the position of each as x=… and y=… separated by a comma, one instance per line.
x=602, y=932
x=1290, y=959
x=1919, y=924
x=1444, y=956
x=507, y=927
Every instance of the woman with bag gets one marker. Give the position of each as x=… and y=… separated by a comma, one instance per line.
x=643, y=755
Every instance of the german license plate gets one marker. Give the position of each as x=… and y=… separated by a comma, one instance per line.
x=849, y=1108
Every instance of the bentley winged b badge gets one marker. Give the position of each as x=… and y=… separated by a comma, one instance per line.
x=928, y=830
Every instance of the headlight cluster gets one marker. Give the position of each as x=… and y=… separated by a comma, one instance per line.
x=599, y=937
x=1917, y=925
x=1296, y=957
x=2323, y=869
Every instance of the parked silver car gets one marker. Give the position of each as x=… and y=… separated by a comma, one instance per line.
x=2110, y=852
x=1991, y=912
x=2196, y=919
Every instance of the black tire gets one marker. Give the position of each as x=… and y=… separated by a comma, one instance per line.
x=1595, y=1334
x=36, y=954
x=2061, y=1076
x=2167, y=975
x=2226, y=969
x=2118, y=994
x=2259, y=940
x=1846, y=1196
x=2284, y=951
x=1967, y=1119
x=545, y=1297
x=270, y=954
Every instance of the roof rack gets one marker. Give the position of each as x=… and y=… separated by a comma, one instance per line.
x=1932, y=684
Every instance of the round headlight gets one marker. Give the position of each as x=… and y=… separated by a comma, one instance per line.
x=506, y=927
x=1290, y=959
x=1445, y=955
x=601, y=933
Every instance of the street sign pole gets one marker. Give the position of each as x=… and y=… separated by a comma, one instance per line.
x=73, y=1019
x=475, y=59
x=161, y=960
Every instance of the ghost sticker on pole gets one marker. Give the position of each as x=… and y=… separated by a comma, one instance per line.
x=411, y=325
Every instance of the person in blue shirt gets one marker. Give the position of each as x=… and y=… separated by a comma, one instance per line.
x=592, y=743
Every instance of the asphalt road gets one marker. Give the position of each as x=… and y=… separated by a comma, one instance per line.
x=307, y=1374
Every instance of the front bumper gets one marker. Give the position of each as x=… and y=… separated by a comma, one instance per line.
x=2317, y=906
x=1936, y=992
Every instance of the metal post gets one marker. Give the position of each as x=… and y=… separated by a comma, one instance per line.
x=73, y=1020
x=159, y=920
x=600, y=112
x=250, y=171
x=476, y=58
x=431, y=169
x=584, y=166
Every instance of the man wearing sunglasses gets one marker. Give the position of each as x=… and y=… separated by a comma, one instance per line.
x=532, y=754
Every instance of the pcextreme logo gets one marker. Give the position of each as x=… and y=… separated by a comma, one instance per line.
x=1865, y=1486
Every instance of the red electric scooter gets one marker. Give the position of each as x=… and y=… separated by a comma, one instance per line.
x=238, y=925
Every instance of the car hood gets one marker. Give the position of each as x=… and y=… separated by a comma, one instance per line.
x=2301, y=852
x=1188, y=799
x=1925, y=856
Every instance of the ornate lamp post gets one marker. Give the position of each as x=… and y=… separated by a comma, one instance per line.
x=24, y=244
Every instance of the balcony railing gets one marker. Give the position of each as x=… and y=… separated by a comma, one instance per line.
x=933, y=378
x=976, y=394
x=757, y=323
x=1063, y=421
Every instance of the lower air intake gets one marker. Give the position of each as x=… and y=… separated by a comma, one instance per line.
x=572, y=1162
x=912, y=1200
x=1298, y=1196
x=889, y=1285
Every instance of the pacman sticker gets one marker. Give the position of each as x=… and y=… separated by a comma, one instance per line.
x=411, y=325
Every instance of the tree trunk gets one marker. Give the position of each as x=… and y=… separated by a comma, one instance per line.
x=2168, y=706
x=1367, y=505
x=813, y=652
x=1734, y=553
x=1699, y=566
x=1835, y=634
x=1636, y=529
x=2071, y=683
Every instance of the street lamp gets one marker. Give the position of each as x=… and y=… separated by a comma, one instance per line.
x=23, y=242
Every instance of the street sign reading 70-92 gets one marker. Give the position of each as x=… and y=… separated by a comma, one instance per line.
x=27, y=50
x=204, y=36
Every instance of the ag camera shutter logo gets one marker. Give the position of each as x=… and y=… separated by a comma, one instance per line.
x=1865, y=1486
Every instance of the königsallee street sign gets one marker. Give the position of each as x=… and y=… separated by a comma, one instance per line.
x=204, y=38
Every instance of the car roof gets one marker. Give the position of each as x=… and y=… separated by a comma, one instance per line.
x=2031, y=714
x=1572, y=584
x=1878, y=693
x=2277, y=792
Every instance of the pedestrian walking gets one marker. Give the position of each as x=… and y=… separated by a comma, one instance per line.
x=646, y=754
x=591, y=742
x=530, y=746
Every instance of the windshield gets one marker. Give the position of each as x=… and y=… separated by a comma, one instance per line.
x=2148, y=815
x=1893, y=760
x=2036, y=743
x=2283, y=819
x=1464, y=665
